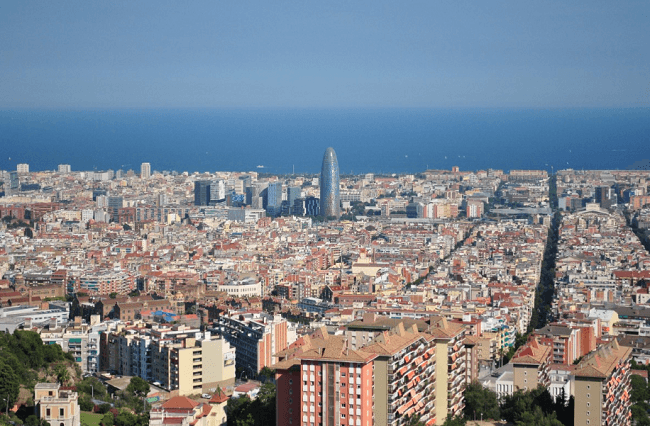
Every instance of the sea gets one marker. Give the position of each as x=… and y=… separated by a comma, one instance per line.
x=366, y=140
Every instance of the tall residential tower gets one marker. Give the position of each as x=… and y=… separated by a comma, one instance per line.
x=330, y=198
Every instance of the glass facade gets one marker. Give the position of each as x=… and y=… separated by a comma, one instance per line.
x=330, y=198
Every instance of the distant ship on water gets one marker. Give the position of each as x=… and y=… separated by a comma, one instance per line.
x=260, y=167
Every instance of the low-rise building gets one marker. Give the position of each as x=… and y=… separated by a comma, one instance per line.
x=56, y=405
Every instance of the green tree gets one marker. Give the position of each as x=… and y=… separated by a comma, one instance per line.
x=32, y=420
x=538, y=418
x=9, y=386
x=640, y=414
x=260, y=412
x=267, y=373
x=113, y=295
x=138, y=387
x=92, y=386
x=126, y=419
x=62, y=373
x=85, y=403
x=515, y=406
x=639, y=389
x=455, y=421
x=108, y=419
x=480, y=403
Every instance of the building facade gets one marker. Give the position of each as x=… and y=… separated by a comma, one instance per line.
x=602, y=387
x=145, y=171
x=330, y=198
x=59, y=407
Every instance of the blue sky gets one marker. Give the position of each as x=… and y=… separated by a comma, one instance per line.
x=85, y=54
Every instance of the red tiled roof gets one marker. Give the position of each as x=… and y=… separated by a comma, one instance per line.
x=180, y=402
x=219, y=397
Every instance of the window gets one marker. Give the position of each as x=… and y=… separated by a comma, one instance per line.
x=291, y=381
x=61, y=412
x=47, y=412
x=588, y=395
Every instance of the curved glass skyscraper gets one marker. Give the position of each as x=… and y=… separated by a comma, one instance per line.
x=330, y=198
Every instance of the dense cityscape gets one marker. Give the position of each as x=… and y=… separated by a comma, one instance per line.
x=443, y=297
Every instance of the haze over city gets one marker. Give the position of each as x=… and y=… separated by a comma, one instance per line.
x=152, y=54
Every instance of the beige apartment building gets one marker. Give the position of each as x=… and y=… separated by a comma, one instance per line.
x=450, y=367
x=57, y=406
x=192, y=365
x=602, y=387
x=531, y=366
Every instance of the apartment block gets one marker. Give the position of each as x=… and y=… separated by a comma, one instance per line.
x=321, y=381
x=602, y=387
x=450, y=367
x=193, y=364
x=531, y=365
x=256, y=337
x=404, y=376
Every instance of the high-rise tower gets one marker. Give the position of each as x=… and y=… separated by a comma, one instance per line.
x=330, y=198
x=145, y=171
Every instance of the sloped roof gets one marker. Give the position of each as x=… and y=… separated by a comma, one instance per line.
x=180, y=402
x=601, y=362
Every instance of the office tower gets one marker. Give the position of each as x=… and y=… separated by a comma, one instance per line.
x=293, y=192
x=309, y=206
x=274, y=199
x=22, y=168
x=602, y=386
x=258, y=195
x=242, y=183
x=114, y=205
x=11, y=184
x=605, y=196
x=145, y=171
x=201, y=192
x=99, y=192
x=217, y=191
x=330, y=199
x=64, y=168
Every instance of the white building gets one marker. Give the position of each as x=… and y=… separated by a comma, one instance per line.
x=248, y=287
x=64, y=168
x=22, y=168
x=145, y=171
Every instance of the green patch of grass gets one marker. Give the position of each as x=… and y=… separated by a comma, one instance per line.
x=90, y=419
